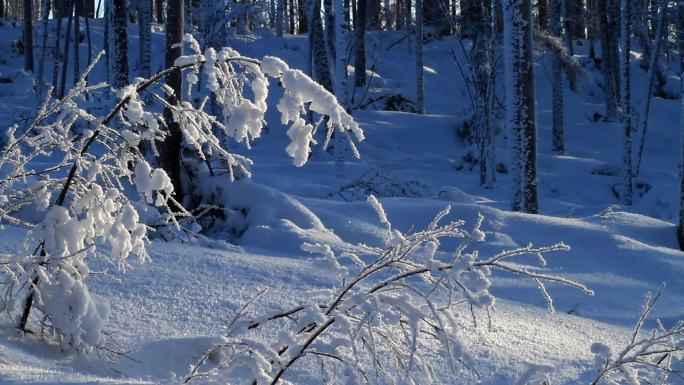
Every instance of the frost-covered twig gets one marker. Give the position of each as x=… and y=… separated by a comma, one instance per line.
x=646, y=359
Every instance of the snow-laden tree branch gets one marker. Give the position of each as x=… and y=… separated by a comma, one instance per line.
x=389, y=318
x=83, y=177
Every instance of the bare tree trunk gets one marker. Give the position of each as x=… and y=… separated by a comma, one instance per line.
x=514, y=109
x=78, y=5
x=610, y=87
x=319, y=51
x=43, y=51
x=280, y=15
x=341, y=89
x=420, y=74
x=558, y=137
x=543, y=13
x=159, y=11
x=528, y=146
x=106, y=46
x=626, y=103
x=680, y=227
x=360, y=45
x=62, y=83
x=482, y=64
x=591, y=28
x=303, y=25
x=56, y=55
x=120, y=43
x=28, y=34
x=145, y=37
x=170, y=148
x=291, y=14
x=568, y=33
x=650, y=78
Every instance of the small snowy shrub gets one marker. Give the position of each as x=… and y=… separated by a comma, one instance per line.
x=76, y=181
x=655, y=357
x=389, y=318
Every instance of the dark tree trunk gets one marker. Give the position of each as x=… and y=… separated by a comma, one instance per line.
x=65, y=56
x=159, y=11
x=543, y=14
x=120, y=43
x=558, y=139
x=360, y=45
x=303, y=24
x=145, y=34
x=436, y=15
x=78, y=6
x=319, y=52
x=292, y=16
x=28, y=34
x=529, y=133
x=170, y=148
x=607, y=60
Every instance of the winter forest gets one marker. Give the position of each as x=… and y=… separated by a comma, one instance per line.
x=304, y=192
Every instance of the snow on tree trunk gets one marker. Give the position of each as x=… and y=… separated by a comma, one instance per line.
x=170, y=148
x=360, y=44
x=558, y=136
x=528, y=147
x=650, y=78
x=145, y=33
x=514, y=109
x=420, y=74
x=28, y=34
x=626, y=101
x=119, y=34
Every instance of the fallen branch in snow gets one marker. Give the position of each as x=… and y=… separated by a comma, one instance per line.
x=390, y=315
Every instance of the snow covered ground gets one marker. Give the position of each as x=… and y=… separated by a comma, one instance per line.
x=168, y=311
